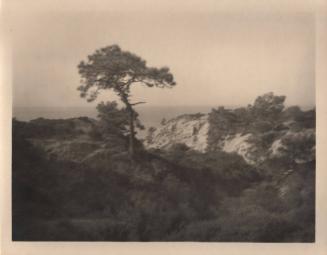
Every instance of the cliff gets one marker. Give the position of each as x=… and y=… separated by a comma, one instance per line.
x=255, y=139
x=201, y=178
x=190, y=129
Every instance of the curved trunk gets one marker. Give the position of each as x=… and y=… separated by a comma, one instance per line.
x=129, y=107
x=131, y=146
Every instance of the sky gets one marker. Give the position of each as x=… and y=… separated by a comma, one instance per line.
x=217, y=57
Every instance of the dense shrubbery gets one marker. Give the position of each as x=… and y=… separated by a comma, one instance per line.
x=267, y=119
x=167, y=195
x=115, y=120
x=263, y=116
x=54, y=128
x=173, y=195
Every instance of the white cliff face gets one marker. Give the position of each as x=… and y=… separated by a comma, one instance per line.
x=239, y=144
x=276, y=147
x=186, y=129
x=192, y=130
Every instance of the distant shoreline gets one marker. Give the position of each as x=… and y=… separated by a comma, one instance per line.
x=26, y=113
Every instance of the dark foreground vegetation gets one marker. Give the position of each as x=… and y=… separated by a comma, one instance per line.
x=92, y=180
x=73, y=180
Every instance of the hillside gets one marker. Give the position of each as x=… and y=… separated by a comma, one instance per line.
x=195, y=181
x=254, y=136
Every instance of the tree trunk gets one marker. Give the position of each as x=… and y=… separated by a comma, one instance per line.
x=131, y=146
x=129, y=108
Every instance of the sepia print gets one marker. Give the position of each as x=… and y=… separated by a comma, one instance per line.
x=163, y=126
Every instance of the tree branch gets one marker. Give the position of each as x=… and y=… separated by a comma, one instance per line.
x=138, y=103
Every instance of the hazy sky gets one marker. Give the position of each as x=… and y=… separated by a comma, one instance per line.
x=217, y=57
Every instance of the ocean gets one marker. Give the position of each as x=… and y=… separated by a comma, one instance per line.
x=149, y=116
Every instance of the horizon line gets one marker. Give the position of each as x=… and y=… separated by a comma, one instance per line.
x=147, y=106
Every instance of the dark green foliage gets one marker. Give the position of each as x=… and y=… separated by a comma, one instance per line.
x=307, y=119
x=112, y=199
x=268, y=106
x=176, y=194
x=54, y=128
x=163, y=121
x=118, y=70
x=264, y=212
x=112, y=68
x=222, y=122
x=299, y=146
x=114, y=120
x=259, y=118
x=266, y=119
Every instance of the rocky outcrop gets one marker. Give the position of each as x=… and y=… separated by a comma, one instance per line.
x=68, y=174
x=254, y=146
x=187, y=129
x=239, y=144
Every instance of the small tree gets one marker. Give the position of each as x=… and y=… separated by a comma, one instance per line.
x=268, y=106
x=300, y=147
x=112, y=119
x=112, y=68
x=163, y=121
